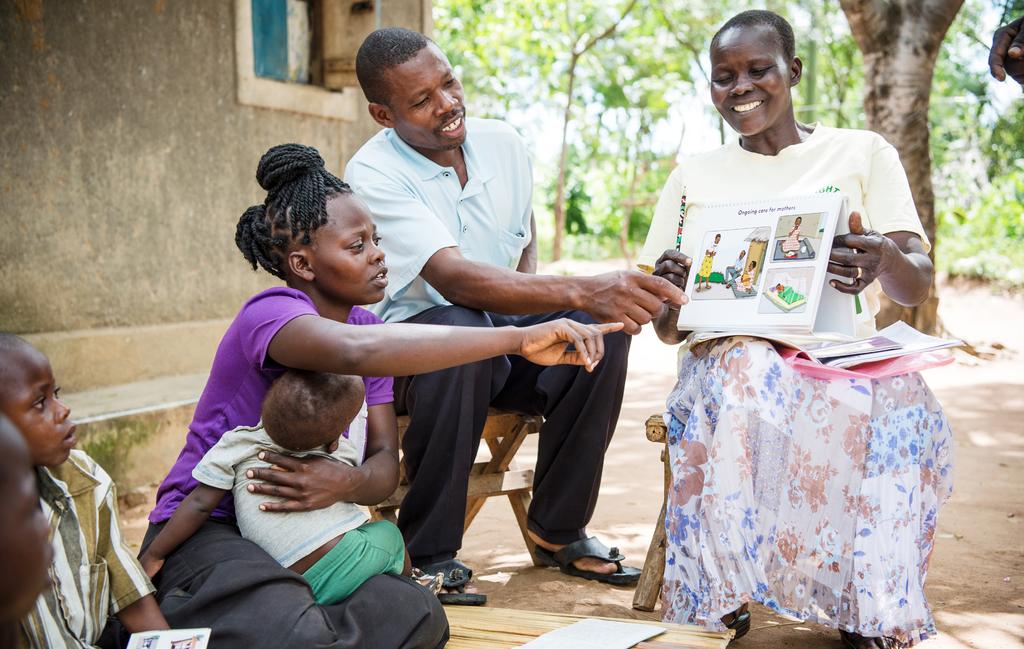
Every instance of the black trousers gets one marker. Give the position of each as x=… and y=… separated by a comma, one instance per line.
x=448, y=409
x=219, y=580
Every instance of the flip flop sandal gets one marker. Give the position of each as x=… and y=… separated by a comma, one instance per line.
x=853, y=641
x=590, y=547
x=434, y=583
x=454, y=575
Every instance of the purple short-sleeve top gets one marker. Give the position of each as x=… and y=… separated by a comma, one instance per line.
x=241, y=374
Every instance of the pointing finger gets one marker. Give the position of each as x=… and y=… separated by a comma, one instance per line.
x=609, y=327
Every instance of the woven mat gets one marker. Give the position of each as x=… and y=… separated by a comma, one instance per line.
x=485, y=627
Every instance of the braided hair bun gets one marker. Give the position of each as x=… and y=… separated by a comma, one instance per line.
x=286, y=162
x=298, y=186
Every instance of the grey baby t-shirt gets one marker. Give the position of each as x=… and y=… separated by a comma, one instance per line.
x=286, y=536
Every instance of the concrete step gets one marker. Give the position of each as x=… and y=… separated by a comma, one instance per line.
x=139, y=397
x=136, y=430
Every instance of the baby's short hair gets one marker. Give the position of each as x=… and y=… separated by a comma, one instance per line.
x=305, y=410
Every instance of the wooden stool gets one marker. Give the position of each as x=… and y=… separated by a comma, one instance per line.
x=649, y=587
x=504, y=432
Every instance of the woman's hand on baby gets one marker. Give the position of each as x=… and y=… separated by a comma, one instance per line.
x=673, y=266
x=862, y=255
x=302, y=484
x=548, y=343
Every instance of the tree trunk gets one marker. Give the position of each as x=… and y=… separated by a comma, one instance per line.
x=637, y=171
x=900, y=42
x=563, y=163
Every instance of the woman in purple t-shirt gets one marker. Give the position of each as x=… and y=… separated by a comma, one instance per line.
x=314, y=234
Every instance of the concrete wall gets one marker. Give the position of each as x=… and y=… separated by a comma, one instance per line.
x=125, y=162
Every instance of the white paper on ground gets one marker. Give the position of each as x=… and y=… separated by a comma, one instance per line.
x=595, y=634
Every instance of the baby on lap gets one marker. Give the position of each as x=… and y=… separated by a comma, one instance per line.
x=335, y=548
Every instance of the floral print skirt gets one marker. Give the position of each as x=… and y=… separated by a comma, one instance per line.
x=815, y=498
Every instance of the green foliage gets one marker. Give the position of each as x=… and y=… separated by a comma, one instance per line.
x=832, y=86
x=111, y=442
x=978, y=161
x=575, y=210
x=987, y=239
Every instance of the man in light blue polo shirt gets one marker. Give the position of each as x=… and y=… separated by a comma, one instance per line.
x=451, y=199
x=420, y=207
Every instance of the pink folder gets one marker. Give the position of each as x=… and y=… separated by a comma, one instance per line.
x=874, y=370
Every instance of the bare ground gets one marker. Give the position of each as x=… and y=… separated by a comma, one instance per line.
x=976, y=585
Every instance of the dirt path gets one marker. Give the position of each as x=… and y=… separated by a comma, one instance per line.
x=976, y=585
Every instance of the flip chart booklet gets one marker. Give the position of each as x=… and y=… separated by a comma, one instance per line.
x=760, y=268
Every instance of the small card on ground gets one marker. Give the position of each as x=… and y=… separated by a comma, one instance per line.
x=170, y=639
x=595, y=634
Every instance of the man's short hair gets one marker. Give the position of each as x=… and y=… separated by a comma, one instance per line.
x=306, y=410
x=382, y=50
x=759, y=17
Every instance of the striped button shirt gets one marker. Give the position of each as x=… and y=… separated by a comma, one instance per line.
x=94, y=574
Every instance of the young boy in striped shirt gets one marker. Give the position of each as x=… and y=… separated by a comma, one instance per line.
x=93, y=574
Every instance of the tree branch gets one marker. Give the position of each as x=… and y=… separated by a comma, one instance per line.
x=693, y=49
x=867, y=19
x=941, y=13
x=594, y=40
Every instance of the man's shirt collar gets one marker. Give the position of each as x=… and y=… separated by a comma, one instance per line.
x=427, y=169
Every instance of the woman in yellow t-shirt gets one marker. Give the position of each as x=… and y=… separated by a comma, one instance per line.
x=704, y=274
x=815, y=498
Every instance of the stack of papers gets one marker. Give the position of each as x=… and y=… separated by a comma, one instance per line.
x=899, y=339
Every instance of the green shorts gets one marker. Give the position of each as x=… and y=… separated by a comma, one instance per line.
x=371, y=549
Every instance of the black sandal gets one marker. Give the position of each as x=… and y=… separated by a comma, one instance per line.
x=854, y=641
x=740, y=622
x=590, y=547
x=456, y=576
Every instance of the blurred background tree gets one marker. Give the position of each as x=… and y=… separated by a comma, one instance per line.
x=611, y=94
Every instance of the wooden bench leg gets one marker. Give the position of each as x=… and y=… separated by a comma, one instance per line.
x=520, y=505
x=648, y=589
x=504, y=433
x=503, y=451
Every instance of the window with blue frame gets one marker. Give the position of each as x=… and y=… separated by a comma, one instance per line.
x=282, y=36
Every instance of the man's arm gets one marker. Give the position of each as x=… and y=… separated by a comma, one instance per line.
x=411, y=232
x=186, y=521
x=620, y=296
x=528, y=261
